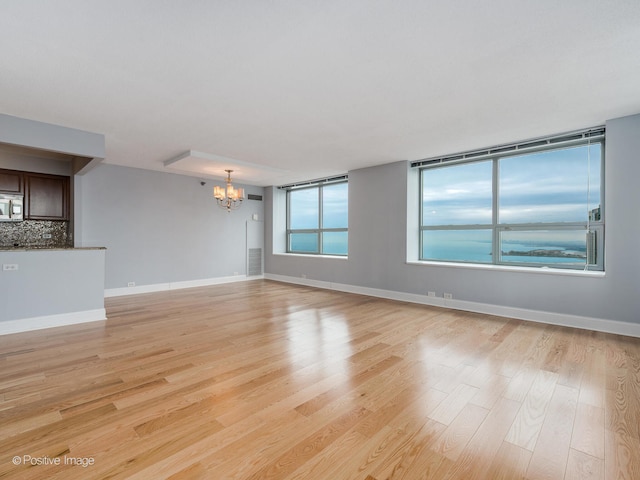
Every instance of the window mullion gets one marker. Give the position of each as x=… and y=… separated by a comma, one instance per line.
x=288, y=239
x=320, y=246
x=495, y=245
x=420, y=216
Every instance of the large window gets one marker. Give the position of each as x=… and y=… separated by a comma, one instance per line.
x=536, y=204
x=317, y=218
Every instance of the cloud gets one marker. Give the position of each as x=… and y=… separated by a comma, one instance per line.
x=553, y=186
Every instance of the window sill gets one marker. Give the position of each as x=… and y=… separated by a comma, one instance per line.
x=507, y=268
x=307, y=255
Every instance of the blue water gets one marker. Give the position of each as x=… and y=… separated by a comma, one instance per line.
x=462, y=251
x=333, y=243
x=480, y=252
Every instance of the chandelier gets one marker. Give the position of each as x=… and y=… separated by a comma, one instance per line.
x=228, y=197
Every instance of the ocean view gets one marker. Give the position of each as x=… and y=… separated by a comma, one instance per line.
x=333, y=243
x=567, y=253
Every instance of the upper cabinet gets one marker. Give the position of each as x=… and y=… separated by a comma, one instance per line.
x=46, y=197
x=11, y=181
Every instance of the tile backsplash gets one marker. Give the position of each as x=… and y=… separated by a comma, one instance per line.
x=32, y=233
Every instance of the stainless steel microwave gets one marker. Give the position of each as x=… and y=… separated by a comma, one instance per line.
x=11, y=208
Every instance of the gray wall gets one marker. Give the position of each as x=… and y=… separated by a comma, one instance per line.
x=160, y=227
x=378, y=242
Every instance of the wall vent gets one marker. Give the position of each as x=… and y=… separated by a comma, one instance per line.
x=253, y=196
x=255, y=262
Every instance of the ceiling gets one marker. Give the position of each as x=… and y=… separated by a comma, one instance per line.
x=286, y=91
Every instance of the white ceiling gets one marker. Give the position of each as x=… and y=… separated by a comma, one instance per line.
x=304, y=89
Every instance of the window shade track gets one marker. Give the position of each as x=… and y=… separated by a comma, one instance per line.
x=310, y=183
x=592, y=134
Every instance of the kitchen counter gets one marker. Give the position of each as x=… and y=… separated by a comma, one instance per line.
x=28, y=249
x=49, y=287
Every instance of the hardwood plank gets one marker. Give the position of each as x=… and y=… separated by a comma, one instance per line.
x=420, y=460
x=551, y=453
x=581, y=466
x=455, y=438
x=520, y=384
x=592, y=387
x=192, y=472
x=11, y=428
x=510, y=463
x=451, y=406
x=333, y=463
x=315, y=404
x=396, y=454
x=528, y=424
x=477, y=459
x=211, y=447
x=621, y=460
x=588, y=431
x=310, y=446
x=392, y=409
x=490, y=391
x=262, y=379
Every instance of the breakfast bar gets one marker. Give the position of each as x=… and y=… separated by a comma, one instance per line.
x=48, y=287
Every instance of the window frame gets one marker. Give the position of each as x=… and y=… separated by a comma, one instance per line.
x=586, y=138
x=320, y=185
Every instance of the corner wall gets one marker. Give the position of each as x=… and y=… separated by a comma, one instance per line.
x=378, y=246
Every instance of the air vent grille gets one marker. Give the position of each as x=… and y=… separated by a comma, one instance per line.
x=255, y=262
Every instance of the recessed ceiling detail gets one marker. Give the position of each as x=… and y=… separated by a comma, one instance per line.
x=208, y=165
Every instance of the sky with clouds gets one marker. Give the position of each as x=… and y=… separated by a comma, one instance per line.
x=553, y=186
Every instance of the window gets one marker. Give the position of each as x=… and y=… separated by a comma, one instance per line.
x=535, y=204
x=317, y=218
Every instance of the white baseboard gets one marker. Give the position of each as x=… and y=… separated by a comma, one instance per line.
x=565, y=320
x=50, y=321
x=161, y=287
x=61, y=320
x=575, y=321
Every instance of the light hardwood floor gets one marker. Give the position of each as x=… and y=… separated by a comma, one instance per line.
x=264, y=380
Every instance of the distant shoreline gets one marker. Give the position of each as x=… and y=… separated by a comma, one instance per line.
x=544, y=253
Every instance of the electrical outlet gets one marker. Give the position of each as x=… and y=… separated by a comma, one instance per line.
x=131, y=284
x=448, y=296
x=46, y=235
x=10, y=267
x=432, y=294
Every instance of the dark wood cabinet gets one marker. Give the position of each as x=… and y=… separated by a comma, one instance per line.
x=46, y=197
x=11, y=181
